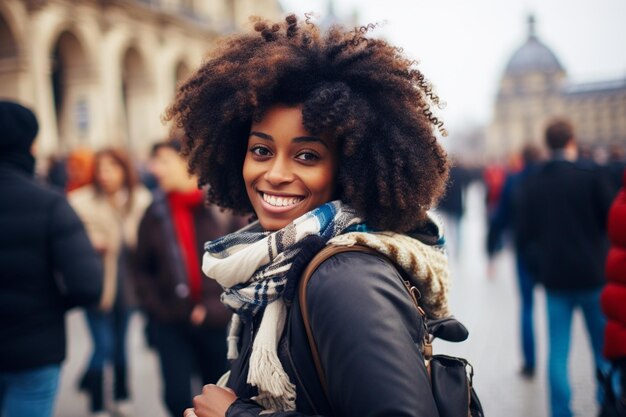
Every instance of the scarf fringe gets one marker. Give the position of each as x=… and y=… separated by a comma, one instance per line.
x=266, y=372
x=270, y=377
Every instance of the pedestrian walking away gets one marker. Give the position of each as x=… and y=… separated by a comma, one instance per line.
x=502, y=221
x=561, y=237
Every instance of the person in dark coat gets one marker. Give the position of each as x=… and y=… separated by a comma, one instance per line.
x=47, y=266
x=561, y=235
x=452, y=207
x=614, y=293
x=502, y=222
x=325, y=138
x=187, y=320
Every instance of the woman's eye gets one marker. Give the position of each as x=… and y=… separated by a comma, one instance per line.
x=260, y=151
x=307, y=156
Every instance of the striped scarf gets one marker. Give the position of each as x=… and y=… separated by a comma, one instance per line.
x=252, y=266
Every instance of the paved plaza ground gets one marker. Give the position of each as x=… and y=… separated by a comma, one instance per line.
x=486, y=303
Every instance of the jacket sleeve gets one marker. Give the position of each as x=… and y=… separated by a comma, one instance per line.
x=367, y=332
x=78, y=267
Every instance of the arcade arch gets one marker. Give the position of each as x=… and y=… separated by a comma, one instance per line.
x=73, y=86
x=181, y=74
x=137, y=95
x=9, y=61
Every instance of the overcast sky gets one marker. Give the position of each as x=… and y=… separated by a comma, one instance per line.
x=464, y=45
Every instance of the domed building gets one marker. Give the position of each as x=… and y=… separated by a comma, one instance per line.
x=534, y=88
x=101, y=72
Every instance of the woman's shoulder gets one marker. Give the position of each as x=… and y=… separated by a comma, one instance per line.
x=349, y=260
x=358, y=292
x=354, y=275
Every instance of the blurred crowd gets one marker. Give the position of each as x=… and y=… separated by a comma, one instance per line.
x=561, y=211
x=100, y=231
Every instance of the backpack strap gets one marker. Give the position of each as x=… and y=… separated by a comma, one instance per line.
x=317, y=260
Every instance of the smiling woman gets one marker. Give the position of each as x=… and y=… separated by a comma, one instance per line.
x=329, y=140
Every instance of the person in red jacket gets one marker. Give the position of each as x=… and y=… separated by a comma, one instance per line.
x=187, y=321
x=614, y=293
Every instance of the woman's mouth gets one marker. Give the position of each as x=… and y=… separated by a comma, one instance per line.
x=279, y=203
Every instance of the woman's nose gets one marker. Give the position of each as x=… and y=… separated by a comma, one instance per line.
x=279, y=172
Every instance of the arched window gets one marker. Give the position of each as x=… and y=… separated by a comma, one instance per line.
x=9, y=76
x=137, y=95
x=72, y=86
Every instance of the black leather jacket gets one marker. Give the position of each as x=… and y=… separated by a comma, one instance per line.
x=369, y=337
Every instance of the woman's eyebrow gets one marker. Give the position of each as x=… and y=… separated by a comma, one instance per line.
x=304, y=139
x=298, y=139
x=261, y=135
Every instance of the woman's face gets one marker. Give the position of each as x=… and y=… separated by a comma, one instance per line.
x=287, y=170
x=109, y=174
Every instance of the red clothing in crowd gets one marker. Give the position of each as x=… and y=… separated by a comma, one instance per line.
x=182, y=206
x=614, y=294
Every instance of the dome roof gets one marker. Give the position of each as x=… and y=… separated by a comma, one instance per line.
x=533, y=56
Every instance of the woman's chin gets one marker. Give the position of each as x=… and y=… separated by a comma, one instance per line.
x=272, y=225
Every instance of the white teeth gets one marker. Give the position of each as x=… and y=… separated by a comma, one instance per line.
x=280, y=201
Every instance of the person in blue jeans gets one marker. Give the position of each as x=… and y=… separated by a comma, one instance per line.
x=502, y=221
x=561, y=307
x=29, y=393
x=560, y=230
x=111, y=208
x=108, y=332
x=47, y=266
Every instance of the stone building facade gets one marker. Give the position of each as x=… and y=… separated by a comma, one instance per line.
x=101, y=72
x=535, y=88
